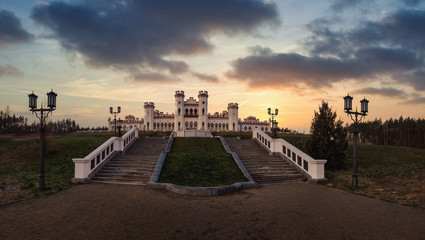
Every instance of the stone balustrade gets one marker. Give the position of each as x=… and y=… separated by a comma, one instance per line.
x=87, y=167
x=313, y=169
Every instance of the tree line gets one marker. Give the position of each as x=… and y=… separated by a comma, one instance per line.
x=10, y=123
x=407, y=132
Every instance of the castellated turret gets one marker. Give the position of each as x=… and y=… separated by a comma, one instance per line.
x=233, y=116
x=203, y=110
x=149, y=111
x=179, y=110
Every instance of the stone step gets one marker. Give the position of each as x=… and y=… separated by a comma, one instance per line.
x=264, y=168
x=135, y=166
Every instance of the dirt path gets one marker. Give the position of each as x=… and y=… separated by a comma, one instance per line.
x=288, y=211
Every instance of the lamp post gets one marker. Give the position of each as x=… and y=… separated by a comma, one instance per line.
x=44, y=113
x=274, y=123
x=111, y=110
x=364, y=109
x=119, y=127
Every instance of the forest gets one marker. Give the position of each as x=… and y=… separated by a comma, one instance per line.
x=12, y=124
x=407, y=132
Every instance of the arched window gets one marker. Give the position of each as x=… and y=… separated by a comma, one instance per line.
x=245, y=128
x=191, y=124
x=227, y=126
x=191, y=112
x=179, y=125
x=262, y=128
x=267, y=129
x=196, y=112
x=249, y=128
x=195, y=124
x=203, y=111
x=187, y=111
x=233, y=127
x=147, y=126
x=203, y=124
x=179, y=111
x=186, y=124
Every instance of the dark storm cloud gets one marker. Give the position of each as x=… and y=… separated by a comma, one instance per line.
x=9, y=70
x=11, y=31
x=144, y=33
x=385, y=92
x=205, y=77
x=392, y=47
x=265, y=68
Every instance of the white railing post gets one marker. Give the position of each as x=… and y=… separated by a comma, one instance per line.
x=82, y=169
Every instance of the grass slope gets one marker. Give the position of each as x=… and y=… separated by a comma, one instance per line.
x=200, y=162
x=389, y=173
x=20, y=162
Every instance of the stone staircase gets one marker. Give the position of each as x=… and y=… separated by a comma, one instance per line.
x=264, y=169
x=135, y=166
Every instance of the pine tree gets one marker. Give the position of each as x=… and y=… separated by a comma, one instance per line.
x=328, y=139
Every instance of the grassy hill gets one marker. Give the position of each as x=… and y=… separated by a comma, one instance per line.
x=389, y=173
x=200, y=162
x=20, y=163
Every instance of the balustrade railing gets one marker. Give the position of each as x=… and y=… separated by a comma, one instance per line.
x=86, y=167
x=314, y=169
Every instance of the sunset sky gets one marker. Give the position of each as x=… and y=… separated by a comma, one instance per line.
x=287, y=54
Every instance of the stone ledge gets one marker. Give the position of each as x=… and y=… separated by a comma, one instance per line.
x=203, y=191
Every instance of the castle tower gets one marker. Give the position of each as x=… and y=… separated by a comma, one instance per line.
x=233, y=116
x=179, y=114
x=203, y=110
x=149, y=109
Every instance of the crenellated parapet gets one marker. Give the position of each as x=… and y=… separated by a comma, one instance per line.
x=232, y=105
x=203, y=94
x=179, y=94
x=149, y=105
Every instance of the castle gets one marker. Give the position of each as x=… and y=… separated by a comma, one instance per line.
x=191, y=115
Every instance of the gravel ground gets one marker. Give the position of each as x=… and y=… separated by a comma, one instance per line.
x=287, y=211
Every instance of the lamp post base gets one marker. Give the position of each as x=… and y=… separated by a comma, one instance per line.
x=355, y=183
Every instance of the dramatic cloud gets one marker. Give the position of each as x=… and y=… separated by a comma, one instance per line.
x=265, y=68
x=144, y=33
x=9, y=70
x=385, y=92
x=205, y=77
x=392, y=47
x=11, y=31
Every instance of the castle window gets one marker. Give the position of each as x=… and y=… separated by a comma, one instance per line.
x=179, y=125
x=203, y=111
x=203, y=124
x=196, y=112
x=179, y=111
x=187, y=111
x=191, y=112
x=233, y=127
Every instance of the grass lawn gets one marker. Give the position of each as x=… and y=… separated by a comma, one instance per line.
x=20, y=163
x=389, y=173
x=200, y=162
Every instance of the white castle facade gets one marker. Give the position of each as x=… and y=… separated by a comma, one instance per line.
x=191, y=115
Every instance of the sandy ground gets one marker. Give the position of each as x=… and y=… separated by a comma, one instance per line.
x=287, y=211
